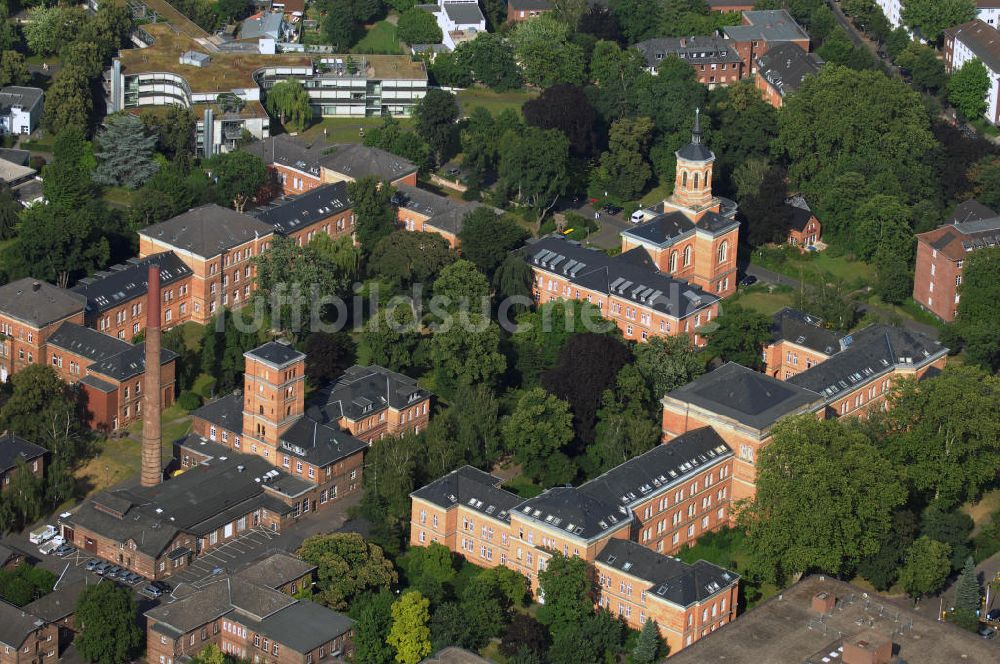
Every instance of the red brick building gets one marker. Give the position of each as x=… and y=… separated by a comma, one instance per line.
x=522, y=10
x=715, y=60
x=941, y=255
x=110, y=372
x=249, y=622
x=782, y=70
x=762, y=30
x=420, y=210
x=14, y=451
x=281, y=571
x=117, y=297
x=742, y=406
x=647, y=507
x=799, y=343
x=804, y=228
x=323, y=209
x=30, y=311
x=26, y=639
x=300, y=166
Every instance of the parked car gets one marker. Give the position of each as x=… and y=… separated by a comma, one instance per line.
x=100, y=567
x=132, y=578
x=42, y=534
x=612, y=209
x=637, y=217
x=64, y=550
x=993, y=615
x=163, y=586
x=454, y=172
x=748, y=280
x=152, y=591
x=987, y=632
x=50, y=546
x=91, y=564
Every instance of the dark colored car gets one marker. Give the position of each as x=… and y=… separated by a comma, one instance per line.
x=612, y=209
x=987, y=632
x=64, y=550
x=748, y=280
x=163, y=586
x=131, y=578
x=993, y=615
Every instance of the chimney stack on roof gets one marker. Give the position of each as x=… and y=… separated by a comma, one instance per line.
x=152, y=468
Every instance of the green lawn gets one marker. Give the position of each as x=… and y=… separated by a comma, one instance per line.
x=118, y=196
x=117, y=459
x=37, y=146
x=174, y=424
x=494, y=102
x=346, y=130
x=816, y=266
x=523, y=487
x=380, y=38
x=727, y=548
x=759, y=298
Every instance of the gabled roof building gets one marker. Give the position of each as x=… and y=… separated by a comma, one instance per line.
x=631, y=516
x=714, y=59
x=782, y=70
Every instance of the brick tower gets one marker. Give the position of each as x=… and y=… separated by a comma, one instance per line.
x=152, y=468
x=693, y=181
x=273, y=391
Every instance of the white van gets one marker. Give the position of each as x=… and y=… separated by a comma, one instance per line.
x=42, y=534
x=638, y=217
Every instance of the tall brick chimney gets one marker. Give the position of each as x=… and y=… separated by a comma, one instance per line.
x=152, y=469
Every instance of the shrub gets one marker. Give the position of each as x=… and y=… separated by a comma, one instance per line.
x=189, y=400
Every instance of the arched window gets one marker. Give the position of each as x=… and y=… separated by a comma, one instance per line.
x=695, y=180
x=684, y=179
x=673, y=261
x=687, y=255
x=723, y=251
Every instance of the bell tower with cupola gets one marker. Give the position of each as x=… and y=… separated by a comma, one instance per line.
x=693, y=181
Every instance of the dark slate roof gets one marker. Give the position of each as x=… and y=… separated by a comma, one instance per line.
x=61, y=602
x=750, y=398
x=319, y=443
x=531, y=5
x=289, y=151
x=302, y=626
x=786, y=66
x=277, y=569
x=277, y=353
x=473, y=488
x=361, y=391
x=120, y=283
x=212, y=601
x=771, y=25
x=208, y=230
x=971, y=210
x=695, y=50
x=16, y=624
x=464, y=13
x=225, y=412
x=630, y=275
x=605, y=503
x=197, y=501
x=980, y=38
x=669, y=578
x=17, y=95
x=670, y=227
x=869, y=353
x=312, y=207
x=805, y=330
x=129, y=363
x=14, y=448
x=98, y=384
x=38, y=303
x=87, y=342
x=19, y=157
x=444, y=213
x=357, y=161
x=696, y=150
x=798, y=213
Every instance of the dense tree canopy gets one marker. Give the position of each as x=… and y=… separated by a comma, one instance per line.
x=487, y=239
x=932, y=17
x=967, y=89
x=347, y=566
x=105, y=621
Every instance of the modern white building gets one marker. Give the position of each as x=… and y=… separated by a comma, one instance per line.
x=459, y=20
x=20, y=109
x=988, y=11
x=976, y=39
x=893, y=10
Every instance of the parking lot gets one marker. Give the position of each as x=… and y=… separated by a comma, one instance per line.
x=228, y=558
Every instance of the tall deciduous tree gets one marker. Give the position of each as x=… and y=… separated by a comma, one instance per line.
x=105, y=621
x=667, y=363
x=390, y=337
x=373, y=213
x=409, y=634
x=566, y=584
x=566, y=108
x=942, y=435
x=68, y=100
x=967, y=89
x=347, y=566
x=624, y=426
x=238, y=177
x=49, y=28
x=546, y=55
x=534, y=167
x=461, y=286
x=374, y=620
x=926, y=567
x=825, y=499
x=405, y=257
x=487, y=239
x=417, y=26
x=328, y=355
x=467, y=352
x=623, y=170
x=289, y=101
x=538, y=430
x=932, y=17
x=13, y=69
x=883, y=228
x=125, y=157
x=435, y=119
x=740, y=337
x=489, y=59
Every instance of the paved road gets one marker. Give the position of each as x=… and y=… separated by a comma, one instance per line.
x=609, y=226
x=772, y=277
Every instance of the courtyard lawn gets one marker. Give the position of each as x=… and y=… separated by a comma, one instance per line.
x=345, y=130
x=380, y=38
x=494, y=102
x=727, y=548
x=816, y=267
x=763, y=300
x=118, y=197
x=117, y=459
x=175, y=423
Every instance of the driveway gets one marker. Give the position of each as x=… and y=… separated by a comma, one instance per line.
x=609, y=226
